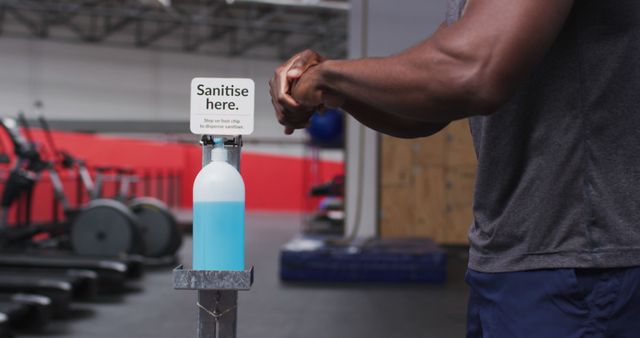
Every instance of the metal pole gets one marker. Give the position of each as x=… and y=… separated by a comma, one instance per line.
x=218, y=313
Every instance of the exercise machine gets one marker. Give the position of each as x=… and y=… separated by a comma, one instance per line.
x=21, y=256
x=84, y=282
x=103, y=227
x=112, y=274
x=160, y=232
x=58, y=291
x=159, y=226
x=5, y=330
x=26, y=311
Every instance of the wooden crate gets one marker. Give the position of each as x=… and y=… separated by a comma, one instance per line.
x=427, y=185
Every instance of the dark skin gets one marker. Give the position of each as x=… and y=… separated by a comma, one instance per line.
x=466, y=69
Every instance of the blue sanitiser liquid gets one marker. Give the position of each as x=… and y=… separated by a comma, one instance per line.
x=218, y=236
x=218, y=216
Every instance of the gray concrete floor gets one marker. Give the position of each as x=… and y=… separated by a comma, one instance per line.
x=273, y=309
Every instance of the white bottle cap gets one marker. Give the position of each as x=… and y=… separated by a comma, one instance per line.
x=219, y=154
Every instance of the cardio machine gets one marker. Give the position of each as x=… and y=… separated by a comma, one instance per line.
x=38, y=282
x=158, y=225
x=103, y=227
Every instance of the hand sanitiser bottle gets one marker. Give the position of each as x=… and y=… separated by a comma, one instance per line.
x=218, y=215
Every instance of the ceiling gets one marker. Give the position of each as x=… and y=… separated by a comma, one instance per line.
x=253, y=28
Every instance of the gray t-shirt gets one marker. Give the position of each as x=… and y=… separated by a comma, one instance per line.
x=558, y=181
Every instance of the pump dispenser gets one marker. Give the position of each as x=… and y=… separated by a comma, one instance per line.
x=218, y=215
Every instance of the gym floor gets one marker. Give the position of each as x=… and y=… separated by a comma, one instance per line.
x=273, y=309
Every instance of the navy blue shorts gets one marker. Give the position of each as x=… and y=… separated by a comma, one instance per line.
x=559, y=303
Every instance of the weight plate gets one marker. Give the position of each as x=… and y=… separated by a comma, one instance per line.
x=105, y=228
x=159, y=227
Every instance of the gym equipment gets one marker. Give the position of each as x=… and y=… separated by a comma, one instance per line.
x=333, y=188
x=321, y=259
x=26, y=311
x=329, y=217
x=23, y=174
x=84, y=282
x=102, y=228
x=15, y=312
x=58, y=291
x=60, y=272
x=112, y=273
x=5, y=331
x=158, y=225
x=327, y=128
x=217, y=290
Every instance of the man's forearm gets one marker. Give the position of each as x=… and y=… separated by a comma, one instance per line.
x=417, y=89
x=424, y=84
x=390, y=124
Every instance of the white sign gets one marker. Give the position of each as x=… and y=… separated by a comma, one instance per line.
x=222, y=106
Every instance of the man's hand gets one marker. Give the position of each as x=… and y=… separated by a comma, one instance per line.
x=291, y=114
x=305, y=90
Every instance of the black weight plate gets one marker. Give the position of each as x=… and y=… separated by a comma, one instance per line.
x=159, y=226
x=177, y=237
x=105, y=228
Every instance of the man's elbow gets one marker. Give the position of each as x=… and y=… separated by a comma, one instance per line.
x=407, y=135
x=488, y=92
x=417, y=130
x=487, y=103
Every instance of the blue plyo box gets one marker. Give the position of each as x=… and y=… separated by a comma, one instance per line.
x=410, y=260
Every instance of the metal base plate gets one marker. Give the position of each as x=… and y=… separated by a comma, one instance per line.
x=212, y=280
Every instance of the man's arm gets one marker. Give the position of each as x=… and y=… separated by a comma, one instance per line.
x=390, y=124
x=466, y=69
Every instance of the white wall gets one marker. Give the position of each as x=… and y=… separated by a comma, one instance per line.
x=397, y=25
x=95, y=82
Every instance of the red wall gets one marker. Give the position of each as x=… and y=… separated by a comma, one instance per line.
x=274, y=182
